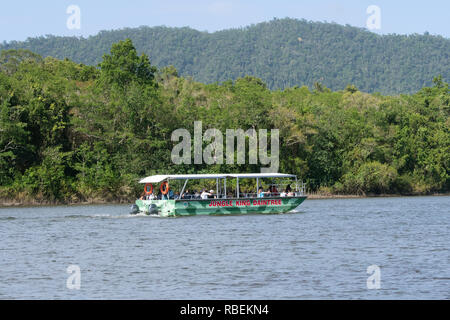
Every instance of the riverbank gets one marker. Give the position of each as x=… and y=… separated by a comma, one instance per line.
x=319, y=196
x=8, y=203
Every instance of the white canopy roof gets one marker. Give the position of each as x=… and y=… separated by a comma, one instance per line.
x=159, y=178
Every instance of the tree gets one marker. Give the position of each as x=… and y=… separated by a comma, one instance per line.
x=123, y=66
x=11, y=59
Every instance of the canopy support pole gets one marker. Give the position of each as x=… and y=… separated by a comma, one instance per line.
x=217, y=188
x=257, y=186
x=182, y=190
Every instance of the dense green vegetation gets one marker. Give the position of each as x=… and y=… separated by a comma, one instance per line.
x=282, y=52
x=71, y=132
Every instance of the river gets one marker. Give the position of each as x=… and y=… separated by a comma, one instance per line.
x=321, y=251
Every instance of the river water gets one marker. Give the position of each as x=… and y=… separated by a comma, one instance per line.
x=322, y=251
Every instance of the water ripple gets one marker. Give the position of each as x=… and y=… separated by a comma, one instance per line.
x=322, y=251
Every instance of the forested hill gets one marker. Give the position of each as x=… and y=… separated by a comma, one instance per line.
x=282, y=52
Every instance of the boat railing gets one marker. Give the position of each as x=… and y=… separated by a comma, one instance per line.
x=243, y=196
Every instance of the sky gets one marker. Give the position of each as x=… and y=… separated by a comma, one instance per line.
x=21, y=19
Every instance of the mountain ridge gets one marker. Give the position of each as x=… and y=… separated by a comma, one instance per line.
x=282, y=52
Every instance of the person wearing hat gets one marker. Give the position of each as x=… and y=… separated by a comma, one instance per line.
x=205, y=194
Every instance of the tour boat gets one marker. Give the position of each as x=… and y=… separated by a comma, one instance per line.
x=274, y=199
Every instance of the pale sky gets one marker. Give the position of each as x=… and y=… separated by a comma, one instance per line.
x=21, y=19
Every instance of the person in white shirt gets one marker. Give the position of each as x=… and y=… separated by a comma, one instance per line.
x=205, y=194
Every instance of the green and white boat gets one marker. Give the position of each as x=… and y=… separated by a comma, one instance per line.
x=219, y=202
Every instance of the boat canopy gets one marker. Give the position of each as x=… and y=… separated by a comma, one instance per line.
x=159, y=178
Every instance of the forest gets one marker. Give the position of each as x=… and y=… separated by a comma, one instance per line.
x=72, y=132
x=282, y=52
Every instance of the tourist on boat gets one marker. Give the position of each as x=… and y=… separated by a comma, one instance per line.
x=273, y=189
x=205, y=195
x=261, y=192
x=186, y=195
x=150, y=196
x=288, y=191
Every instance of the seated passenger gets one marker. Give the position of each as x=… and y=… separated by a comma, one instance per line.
x=274, y=190
x=186, y=195
x=261, y=193
x=205, y=194
x=288, y=191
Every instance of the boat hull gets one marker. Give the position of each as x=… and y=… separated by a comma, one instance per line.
x=172, y=208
